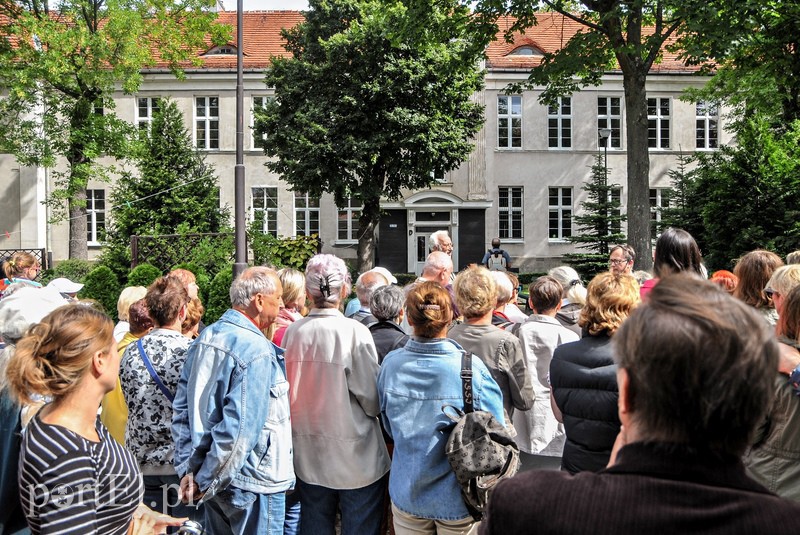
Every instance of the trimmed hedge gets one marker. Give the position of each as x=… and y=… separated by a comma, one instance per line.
x=219, y=296
x=101, y=284
x=143, y=275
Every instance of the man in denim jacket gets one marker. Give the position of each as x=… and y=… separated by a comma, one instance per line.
x=233, y=442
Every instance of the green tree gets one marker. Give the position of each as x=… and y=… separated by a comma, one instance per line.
x=102, y=285
x=600, y=223
x=364, y=110
x=683, y=210
x=60, y=63
x=174, y=190
x=616, y=34
x=753, y=48
x=750, y=194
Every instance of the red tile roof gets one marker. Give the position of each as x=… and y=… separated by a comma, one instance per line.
x=550, y=34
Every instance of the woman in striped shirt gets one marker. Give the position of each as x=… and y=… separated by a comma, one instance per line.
x=74, y=477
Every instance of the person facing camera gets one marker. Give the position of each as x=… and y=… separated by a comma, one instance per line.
x=696, y=372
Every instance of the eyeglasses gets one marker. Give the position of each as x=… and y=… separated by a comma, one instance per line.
x=769, y=292
x=617, y=262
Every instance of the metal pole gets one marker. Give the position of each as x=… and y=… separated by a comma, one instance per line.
x=238, y=176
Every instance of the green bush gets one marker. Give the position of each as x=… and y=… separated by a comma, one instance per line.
x=219, y=299
x=73, y=269
x=404, y=278
x=281, y=252
x=143, y=275
x=101, y=285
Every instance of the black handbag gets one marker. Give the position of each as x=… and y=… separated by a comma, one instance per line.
x=480, y=449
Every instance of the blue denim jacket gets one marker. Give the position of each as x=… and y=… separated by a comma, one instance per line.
x=231, y=412
x=413, y=384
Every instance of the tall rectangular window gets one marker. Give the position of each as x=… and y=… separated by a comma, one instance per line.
x=258, y=102
x=707, y=115
x=146, y=108
x=560, y=219
x=348, y=220
x=658, y=121
x=509, y=122
x=559, y=124
x=265, y=208
x=306, y=214
x=609, y=115
x=206, y=122
x=659, y=200
x=509, y=213
x=95, y=216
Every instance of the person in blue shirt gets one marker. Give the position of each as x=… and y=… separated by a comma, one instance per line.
x=413, y=384
x=496, y=259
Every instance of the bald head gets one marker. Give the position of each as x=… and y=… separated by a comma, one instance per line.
x=438, y=268
x=366, y=284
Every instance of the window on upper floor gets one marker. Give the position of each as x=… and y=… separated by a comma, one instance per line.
x=509, y=121
x=206, y=122
x=659, y=200
x=659, y=112
x=559, y=124
x=509, y=212
x=146, y=108
x=609, y=115
x=95, y=216
x=265, y=208
x=306, y=214
x=348, y=220
x=707, y=120
x=259, y=101
x=560, y=217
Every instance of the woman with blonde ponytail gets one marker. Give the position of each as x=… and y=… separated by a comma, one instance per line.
x=74, y=477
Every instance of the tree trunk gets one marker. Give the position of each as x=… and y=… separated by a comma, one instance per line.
x=638, y=166
x=367, y=224
x=79, y=165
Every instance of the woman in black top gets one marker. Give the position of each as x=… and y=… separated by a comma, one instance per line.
x=74, y=477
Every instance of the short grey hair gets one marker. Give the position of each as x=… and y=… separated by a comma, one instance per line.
x=368, y=282
x=326, y=276
x=252, y=281
x=436, y=239
x=387, y=302
x=504, y=287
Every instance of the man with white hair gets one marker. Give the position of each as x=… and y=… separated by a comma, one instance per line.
x=440, y=241
x=505, y=289
x=233, y=439
x=366, y=284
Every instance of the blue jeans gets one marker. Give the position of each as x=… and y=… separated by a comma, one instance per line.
x=361, y=508
x=243, y=512
x=291, y=525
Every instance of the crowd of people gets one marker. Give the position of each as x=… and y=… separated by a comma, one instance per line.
x=664, y=401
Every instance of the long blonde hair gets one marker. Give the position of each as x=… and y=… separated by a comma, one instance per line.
x=53, y=356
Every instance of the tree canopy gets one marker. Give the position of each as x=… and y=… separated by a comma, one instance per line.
x=61, y=61
x=365, y=108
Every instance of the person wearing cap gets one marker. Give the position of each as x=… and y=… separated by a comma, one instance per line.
x=68, y=289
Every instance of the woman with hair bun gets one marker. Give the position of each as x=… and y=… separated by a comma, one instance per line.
x=20, y=267
x=74, y=477
x=413, y=384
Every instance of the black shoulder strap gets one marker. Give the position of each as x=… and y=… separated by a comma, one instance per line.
x=466, y=381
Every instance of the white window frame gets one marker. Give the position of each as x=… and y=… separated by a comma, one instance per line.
x=302, y=204
x=706, y=121
x=610, y=120
x=348, y=215
x=206, y=123
x=559, y=121
x=152, y=104
x=562, y=211
x=264, y=194
x=510, y=211
x=93, y=225
x=508, y=119
x=256, y=143
x=659, y=124
x=658, y=201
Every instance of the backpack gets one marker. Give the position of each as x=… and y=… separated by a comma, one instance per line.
x=480, y=449
x=497, y=261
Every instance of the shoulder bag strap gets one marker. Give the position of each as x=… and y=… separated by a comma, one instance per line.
x=466, y=380
x=153, y=372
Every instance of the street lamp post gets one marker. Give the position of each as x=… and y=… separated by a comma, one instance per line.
x=605, y=134
x=240, y=236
